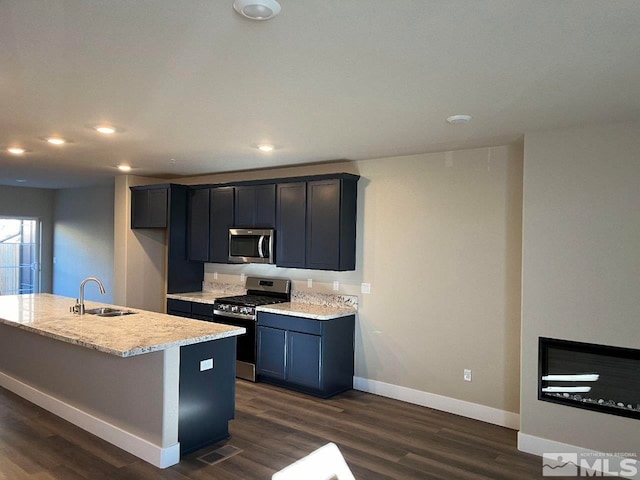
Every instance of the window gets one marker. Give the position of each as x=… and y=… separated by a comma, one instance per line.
x=19, y=255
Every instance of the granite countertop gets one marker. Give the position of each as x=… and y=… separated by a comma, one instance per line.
x=199, y=297
x=294, y=308
x=124, y=336
x=306, y=310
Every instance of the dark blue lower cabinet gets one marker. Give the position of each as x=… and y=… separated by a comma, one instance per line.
x=272, y=347
x=207, y=393
x=306, y=355
x=304, y=359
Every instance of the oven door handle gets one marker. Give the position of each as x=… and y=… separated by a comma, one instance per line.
x=261, y=246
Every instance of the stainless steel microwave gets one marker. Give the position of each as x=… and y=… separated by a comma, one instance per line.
x=251, y=245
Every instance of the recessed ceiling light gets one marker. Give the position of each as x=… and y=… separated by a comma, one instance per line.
x=459, y=119
x=257, y=9
x=124, y=168
x=106, y=129
x=21, y=180
x=16, y=150
x=56, y=140
x=264, y=147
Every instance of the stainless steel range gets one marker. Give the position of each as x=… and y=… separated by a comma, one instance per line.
x=240, y=310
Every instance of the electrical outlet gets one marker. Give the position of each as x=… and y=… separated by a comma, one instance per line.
x=242, y=277
x=215, y=275
x=467, y=375
x=365, y=288
x=309, y=282
x=336, y=285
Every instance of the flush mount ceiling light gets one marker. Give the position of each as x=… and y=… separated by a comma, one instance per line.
x=257, y=9
x=56, y=140
x=106, y=129
x=459, y=119
x=264, y=147
x=124, y=168
x=16, y=150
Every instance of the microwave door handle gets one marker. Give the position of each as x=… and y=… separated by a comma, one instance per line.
x=260, y=248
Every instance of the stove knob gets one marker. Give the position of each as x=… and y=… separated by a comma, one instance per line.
x=234, y=309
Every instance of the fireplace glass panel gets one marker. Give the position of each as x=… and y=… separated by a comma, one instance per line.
x=595, y=377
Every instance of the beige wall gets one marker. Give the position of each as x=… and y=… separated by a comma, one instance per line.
x=581, y=265
x=439, y=239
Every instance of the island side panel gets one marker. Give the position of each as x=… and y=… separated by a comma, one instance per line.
x=128, y=393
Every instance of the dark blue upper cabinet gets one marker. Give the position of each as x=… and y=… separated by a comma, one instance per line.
x=291, y=225
x=316, y=223
x=221, y=220
x=323, y=225
x=255, y=206
x=199, y=225
x=149, y=206
x=314, y=218
x=210, y=217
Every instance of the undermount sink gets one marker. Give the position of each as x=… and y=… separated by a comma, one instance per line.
x=108, y=312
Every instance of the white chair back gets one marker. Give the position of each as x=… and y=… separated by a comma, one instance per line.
x=325, y=463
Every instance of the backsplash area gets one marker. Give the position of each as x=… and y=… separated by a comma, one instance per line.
x=310, y=298
x=325, y=299
x=226, y=288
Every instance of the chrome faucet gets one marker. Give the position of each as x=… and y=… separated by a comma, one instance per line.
x=79, y=306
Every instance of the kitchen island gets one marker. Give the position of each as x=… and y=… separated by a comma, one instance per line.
x=155, y=385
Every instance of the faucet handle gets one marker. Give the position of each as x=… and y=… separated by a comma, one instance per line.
x=76, y=307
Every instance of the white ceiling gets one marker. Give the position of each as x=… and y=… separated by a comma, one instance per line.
x=192, y=80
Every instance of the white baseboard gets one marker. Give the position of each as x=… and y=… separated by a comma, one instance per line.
x=439, y=402
x=537, y=446
x=141, y=448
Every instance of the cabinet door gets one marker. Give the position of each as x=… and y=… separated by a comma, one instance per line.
x=221, y=220
x=323, y=225
x=291, y=225
x=245, y=207
x=304, y=365
x=149, y=208
x=271, y=359
x=139, y=208
x=158, y=199
x=199, y=225
x=265, y=206
x=255, y=206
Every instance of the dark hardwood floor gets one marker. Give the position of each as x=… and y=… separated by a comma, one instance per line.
x=379, y=437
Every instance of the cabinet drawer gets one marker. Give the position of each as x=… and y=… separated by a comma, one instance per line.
x=178, y=305
x=295, y=324
x=205, y=309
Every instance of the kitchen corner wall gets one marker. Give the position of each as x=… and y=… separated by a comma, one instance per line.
x=439, y=240
x=581, y=270
x=139, y=255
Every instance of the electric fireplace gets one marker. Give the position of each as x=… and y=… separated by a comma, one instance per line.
x=584, y=375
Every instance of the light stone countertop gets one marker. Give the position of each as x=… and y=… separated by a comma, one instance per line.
x=124, y=336
x=306, y=310
x=294, y=309
x=199, y=297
